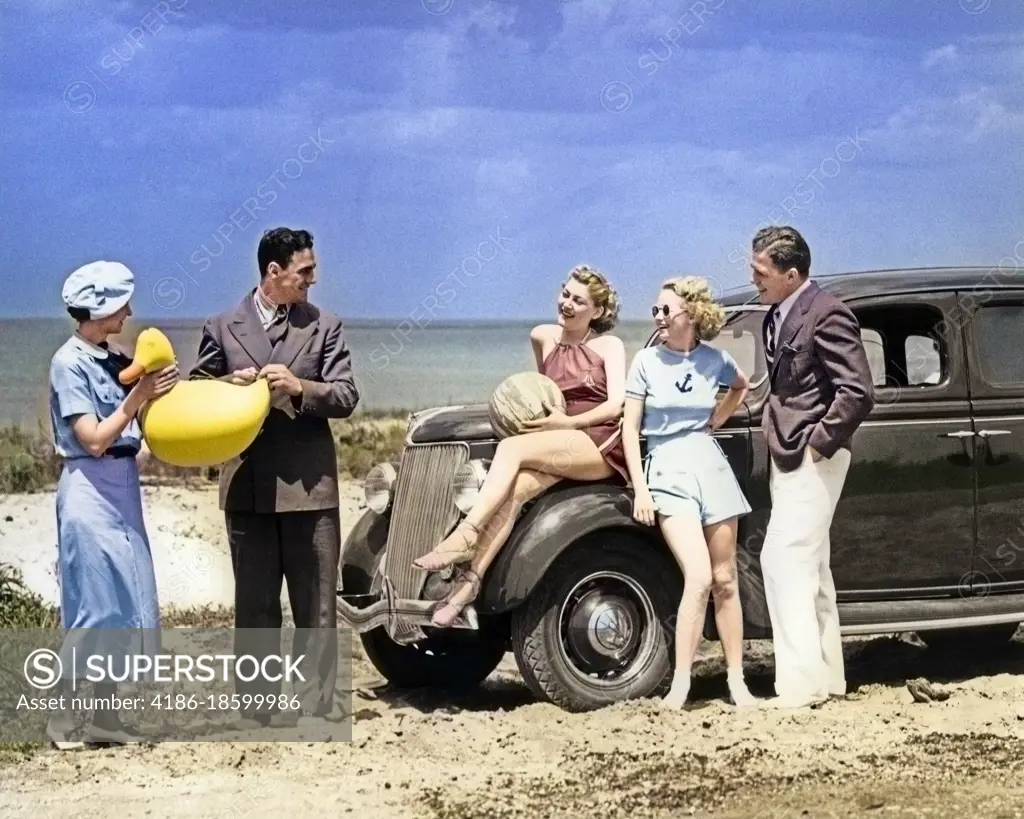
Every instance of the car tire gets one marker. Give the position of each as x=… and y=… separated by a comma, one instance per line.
x=627, y=592
x=456, y=662
x=978, y=638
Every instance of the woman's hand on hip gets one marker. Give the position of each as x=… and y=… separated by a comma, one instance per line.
x=643, y=507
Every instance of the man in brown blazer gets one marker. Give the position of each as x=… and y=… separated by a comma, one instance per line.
x=821, y=391
x=280, y=496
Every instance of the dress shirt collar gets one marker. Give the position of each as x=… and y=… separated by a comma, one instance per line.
x=782, y=309
x=269, y=313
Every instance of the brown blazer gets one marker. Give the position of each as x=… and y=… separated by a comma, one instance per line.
x=292, y=464
x=821, y=385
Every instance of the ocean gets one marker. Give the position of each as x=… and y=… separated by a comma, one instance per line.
x=396, y=368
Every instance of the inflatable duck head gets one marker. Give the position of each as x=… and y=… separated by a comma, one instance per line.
x=198, y=423
x=153, y=351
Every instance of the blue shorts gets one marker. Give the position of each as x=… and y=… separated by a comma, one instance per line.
x=690, y=475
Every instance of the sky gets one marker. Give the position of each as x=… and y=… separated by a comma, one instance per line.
x=453, y=159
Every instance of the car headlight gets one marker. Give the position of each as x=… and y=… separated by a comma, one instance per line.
x=467, y=483
x=378, y=486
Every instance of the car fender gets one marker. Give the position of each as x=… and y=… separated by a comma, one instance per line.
x=557, y=519
x=362, y=551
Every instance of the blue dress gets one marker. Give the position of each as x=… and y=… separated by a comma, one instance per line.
x=105, y=566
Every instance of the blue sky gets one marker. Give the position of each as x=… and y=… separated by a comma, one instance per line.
x=483, y=148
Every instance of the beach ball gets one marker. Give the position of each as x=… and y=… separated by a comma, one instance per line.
x=522, y=397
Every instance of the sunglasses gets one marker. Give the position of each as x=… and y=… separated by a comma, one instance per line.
x=664, y=310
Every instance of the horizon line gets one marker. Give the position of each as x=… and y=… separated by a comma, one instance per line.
x=374, y=319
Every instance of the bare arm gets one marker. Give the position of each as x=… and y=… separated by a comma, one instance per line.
x=632, y=418
x=538, y=337
x=96, y=436
x=731, y=401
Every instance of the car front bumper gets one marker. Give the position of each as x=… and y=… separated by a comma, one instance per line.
x=402, y=618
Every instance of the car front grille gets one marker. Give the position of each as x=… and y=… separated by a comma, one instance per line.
x=423, y=513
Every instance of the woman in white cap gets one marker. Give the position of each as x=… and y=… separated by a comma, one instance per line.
x=105, y=566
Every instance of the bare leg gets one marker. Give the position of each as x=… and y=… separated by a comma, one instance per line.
x=527, y=486
x=561, y=453
x=685, y=538
x=721, y=540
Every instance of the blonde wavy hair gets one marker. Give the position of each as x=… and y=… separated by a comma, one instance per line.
x=706, y=313
x=602, y=294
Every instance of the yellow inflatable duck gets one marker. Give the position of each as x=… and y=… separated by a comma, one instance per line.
x=198, y=423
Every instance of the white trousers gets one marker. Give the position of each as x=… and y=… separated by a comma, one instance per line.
x=800, y=593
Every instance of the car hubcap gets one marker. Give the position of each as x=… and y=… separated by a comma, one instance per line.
x=608, y=628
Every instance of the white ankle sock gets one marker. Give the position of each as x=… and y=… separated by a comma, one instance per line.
x=680, y=684
x=738, y=687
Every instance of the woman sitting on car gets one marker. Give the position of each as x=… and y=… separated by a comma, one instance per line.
x=687, y=482
x=584, y=443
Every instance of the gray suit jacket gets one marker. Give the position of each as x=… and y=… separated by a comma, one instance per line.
x=292, y=464
x=821, y=385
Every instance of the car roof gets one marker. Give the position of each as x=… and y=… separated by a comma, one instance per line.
x=901, y=280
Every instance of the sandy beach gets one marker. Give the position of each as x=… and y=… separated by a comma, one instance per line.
x=186, y=532
x=497, y=752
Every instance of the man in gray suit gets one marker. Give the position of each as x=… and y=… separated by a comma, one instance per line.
x=821, y=391
x=280, y=496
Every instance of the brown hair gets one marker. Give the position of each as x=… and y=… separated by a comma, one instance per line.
x=602, y=294
x=785, y=247
x=707, y=314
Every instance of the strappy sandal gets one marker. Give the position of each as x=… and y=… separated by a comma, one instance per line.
x=450, y=550
x=473, y=579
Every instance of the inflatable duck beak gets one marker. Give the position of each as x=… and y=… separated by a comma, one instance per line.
x=133, y=372
x=153, y=351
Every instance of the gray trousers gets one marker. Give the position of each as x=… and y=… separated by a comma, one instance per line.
x=301, y=549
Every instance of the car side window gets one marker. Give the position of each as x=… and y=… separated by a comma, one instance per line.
x=904, y=345
x=999, y=331
x=924, y=363
x=875, y=350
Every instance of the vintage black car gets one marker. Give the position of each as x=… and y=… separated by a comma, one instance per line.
x=928, y=536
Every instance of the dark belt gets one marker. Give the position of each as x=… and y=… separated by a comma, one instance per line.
x=123, y=451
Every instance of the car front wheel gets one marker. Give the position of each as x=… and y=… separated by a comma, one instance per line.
x=455, y=662
x=598, y=628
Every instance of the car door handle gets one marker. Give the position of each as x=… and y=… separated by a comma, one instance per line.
x=989, y=433
x=960, y=433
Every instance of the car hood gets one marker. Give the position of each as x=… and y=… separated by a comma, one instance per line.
x=466, y=422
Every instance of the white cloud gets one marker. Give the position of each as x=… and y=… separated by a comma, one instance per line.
x=946, y=54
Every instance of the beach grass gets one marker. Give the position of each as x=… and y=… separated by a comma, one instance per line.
x=29, y=464
x=19, y=608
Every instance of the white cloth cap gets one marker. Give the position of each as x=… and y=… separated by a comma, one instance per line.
x=102, y=288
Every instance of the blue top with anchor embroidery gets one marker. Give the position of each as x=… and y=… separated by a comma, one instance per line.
x=679, y=390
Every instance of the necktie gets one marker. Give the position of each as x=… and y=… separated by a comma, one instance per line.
x=278, y=328
x=769, y=346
